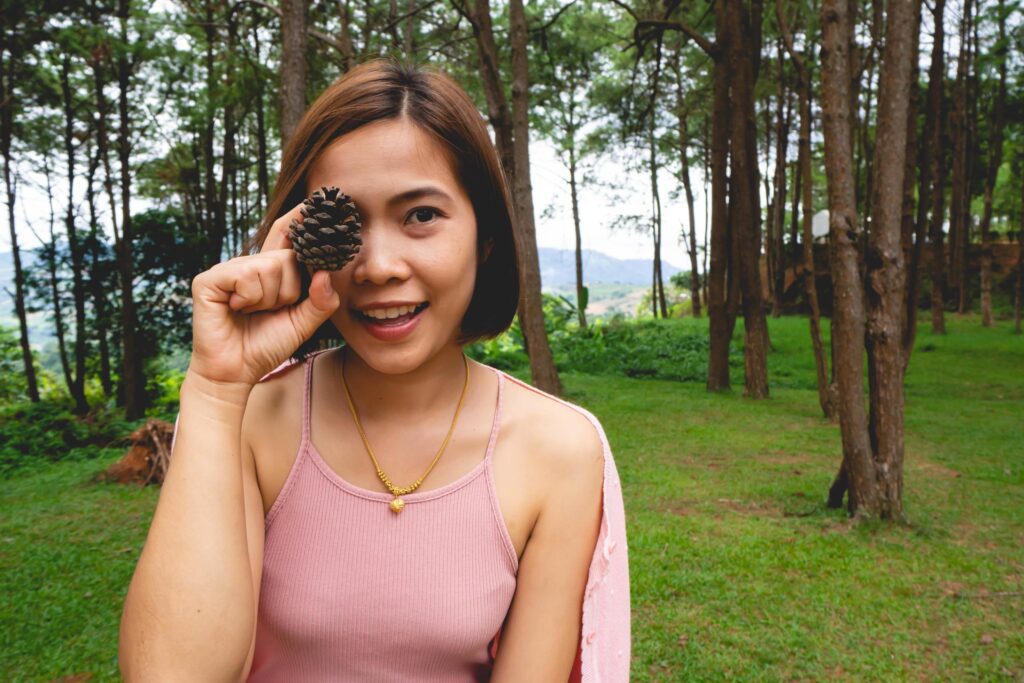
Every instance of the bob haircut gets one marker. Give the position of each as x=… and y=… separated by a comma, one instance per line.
x=383, y=89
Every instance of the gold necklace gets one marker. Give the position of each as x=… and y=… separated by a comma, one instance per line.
x=398, y=491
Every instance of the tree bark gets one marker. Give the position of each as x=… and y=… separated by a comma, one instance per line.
x=294, y=43
x=995, y=158
x=884, y=258
x=844, y=237
x=531, y=309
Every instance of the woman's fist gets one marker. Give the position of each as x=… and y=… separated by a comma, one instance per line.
x=245, y=317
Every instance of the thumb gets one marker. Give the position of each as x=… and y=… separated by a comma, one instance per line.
x=309, y=314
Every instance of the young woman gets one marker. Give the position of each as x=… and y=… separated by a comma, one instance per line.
x=385, y=510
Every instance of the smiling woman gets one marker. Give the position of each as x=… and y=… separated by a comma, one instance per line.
x=314, y=564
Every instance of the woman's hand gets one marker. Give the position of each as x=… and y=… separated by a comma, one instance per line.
x=245, y=321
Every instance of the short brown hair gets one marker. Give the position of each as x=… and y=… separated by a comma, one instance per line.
x=383, y=89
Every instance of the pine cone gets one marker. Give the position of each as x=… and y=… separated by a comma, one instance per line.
x=329, y=235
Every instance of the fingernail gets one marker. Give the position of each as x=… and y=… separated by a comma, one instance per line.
x=327, y=284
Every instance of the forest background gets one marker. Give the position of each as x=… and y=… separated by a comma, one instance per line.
x=845, y=177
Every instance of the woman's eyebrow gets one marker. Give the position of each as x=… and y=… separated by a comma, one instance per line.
x=418, y=193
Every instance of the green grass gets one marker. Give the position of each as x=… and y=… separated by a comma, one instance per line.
x=738, y=571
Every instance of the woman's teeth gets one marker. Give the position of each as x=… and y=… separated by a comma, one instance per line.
x=388, y=313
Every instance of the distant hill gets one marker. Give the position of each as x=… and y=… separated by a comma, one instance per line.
x=558, y=268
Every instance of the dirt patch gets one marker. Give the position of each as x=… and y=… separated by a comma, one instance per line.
x=937, y=470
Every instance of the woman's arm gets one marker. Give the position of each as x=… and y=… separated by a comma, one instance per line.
x=541, y=636
x=190, y=611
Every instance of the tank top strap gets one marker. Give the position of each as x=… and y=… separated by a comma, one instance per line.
x=496, y=424
x=306, y=395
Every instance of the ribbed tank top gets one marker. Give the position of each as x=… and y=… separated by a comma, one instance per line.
x=352, y=591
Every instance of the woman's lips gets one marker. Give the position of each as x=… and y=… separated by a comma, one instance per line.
x=392, y=329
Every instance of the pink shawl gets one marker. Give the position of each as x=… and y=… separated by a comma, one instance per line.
x=604, y=654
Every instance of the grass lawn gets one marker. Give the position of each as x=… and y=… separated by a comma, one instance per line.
x=738, y=570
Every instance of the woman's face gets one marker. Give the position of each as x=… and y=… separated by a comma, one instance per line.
x=404, y=294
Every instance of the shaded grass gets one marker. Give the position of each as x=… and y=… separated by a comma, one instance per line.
x=738, y=571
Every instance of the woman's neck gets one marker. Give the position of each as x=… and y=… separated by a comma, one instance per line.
x=418, y=392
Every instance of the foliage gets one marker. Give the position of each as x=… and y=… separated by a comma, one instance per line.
x=32, y=434
x=673, y=349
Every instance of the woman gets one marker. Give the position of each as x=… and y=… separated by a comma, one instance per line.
x=385, y=510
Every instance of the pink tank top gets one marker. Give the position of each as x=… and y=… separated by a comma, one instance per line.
x=352, y=591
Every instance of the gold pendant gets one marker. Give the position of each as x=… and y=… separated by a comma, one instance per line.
x=397, y=504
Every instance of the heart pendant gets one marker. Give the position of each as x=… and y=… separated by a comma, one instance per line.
x=397, y=504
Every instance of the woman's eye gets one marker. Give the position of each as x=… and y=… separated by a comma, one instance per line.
x=424, y=214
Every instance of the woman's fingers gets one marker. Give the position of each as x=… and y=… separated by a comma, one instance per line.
x=279, y=236
x=280, y=280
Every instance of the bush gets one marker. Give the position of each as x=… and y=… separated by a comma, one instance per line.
x=48, y=431
x=675, y=349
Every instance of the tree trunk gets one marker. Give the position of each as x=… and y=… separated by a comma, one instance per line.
x=995, y=158
x=720, y=268
x=132, y=381
x=744, y=211
x=931, y=158
x=960, y=190
x=76, y=380
x=294, y=43
x=658, y=292
x=7, y=59
x=912, y=245
x=531, y=309
x=777, y=244
x=805, y=188
x=52, y=271
x=691, y=244
x=844, y=237
x=937, y=142
x=581, y=295
x=99, y=300
x=884, y=258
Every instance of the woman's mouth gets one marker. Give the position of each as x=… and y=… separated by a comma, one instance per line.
x=391, y=324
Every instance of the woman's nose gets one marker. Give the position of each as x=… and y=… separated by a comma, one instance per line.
x=380, y=259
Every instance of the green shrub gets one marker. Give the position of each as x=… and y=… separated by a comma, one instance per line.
x=48, y=431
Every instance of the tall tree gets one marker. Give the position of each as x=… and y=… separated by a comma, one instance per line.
x=690, y=238
x=872, y=468
x=805, y=183
x=995, y=159
x=885, y=260
x=857, y=472
x=15, y=42
x=132, y=379
x=512, y=132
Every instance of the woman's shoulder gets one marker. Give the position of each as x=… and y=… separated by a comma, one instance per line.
x=278, y=394
x=566, y=435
